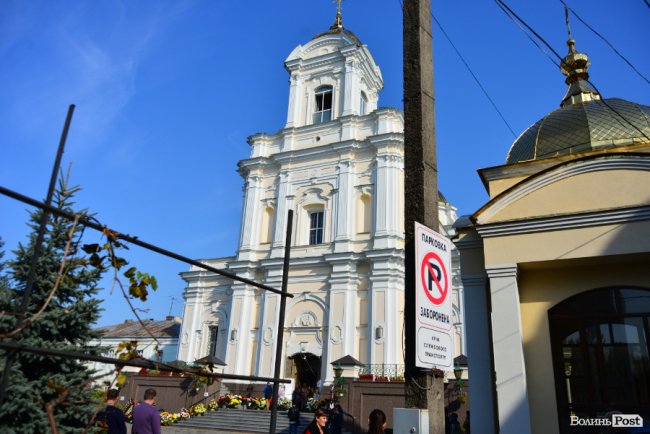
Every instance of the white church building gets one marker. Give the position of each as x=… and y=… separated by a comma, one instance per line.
x=338, y=163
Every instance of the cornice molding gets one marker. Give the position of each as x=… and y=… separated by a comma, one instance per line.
x=501, y=270
x=571, y=221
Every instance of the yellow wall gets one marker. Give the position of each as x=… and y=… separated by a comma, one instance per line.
x=540, y=289
x=613, y=239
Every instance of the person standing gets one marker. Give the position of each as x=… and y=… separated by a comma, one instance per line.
x=112, y=418
x=336, y=418
x=317, y=426
x=376, y=422
x=146, y=418
x=268, y=394
x=294, y=419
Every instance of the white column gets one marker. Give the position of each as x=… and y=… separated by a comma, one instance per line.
x=507, y=341
x=386, y=217
x=343, y=287
x=284, y=204
x=345, y=206
x=192, y=318
x=267, y=334
x=386, y=288
x=337, y=101
x=241, y=321
x=250, y=227
x=479, y=363
x=349, y=86
x=295, y=100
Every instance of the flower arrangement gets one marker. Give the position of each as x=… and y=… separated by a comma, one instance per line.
x=167, y=418
x=229, y=401
x=254, y=403
x=197, y=410
x=284, y=404
x=315, y=404
x=213, y=405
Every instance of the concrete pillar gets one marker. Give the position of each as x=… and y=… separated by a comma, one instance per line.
x=479, y=353
x=509, y=366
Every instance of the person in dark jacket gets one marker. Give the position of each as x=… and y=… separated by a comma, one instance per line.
x=317, y=426
x=294, y=419
x=376, y=422
x=112, y=418
x=336, y=419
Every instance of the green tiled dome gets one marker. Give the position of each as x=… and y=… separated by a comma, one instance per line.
x=584, y=121
x=582, y=127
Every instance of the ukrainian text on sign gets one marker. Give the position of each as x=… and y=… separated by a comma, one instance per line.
x=434, y=337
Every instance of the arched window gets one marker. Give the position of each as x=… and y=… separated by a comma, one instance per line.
x=323, y=108
x=601, y=354
x=364, y=104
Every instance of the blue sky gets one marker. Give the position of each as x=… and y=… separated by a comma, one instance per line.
x=167, y=92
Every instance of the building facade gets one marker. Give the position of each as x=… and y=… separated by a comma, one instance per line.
x=555, y=270
x=338, y=164
x=164, y=348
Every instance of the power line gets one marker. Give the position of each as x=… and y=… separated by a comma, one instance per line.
x=530, y=38
x=506, y=9
x=606, y=41
x=473, y=75
x=470, y=71
x=88, y=222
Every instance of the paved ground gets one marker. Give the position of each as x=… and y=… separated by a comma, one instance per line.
x=178, y=430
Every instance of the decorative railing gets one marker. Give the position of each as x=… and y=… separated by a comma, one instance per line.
x=383, y=371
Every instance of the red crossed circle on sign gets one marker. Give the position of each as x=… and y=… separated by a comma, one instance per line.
x=434, y=278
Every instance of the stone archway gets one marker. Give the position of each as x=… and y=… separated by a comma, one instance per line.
x=305, y=369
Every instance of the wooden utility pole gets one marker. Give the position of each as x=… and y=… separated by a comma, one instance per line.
x=424, y=388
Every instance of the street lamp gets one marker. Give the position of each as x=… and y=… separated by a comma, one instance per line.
x=458, y=373
x=338, y=370
x=339, y=383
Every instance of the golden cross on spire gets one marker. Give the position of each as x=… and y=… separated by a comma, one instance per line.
x=566, y=16
x=338, y=22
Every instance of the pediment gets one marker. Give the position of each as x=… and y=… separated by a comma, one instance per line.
x=575, y=187
x=320, y=46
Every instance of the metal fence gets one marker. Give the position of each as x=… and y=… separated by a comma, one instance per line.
x=387, y=371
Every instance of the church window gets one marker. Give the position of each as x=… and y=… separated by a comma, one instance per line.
x=323, y=111
x=212, y=346
x=316, y=227
x=600, y=343
x=364, y=104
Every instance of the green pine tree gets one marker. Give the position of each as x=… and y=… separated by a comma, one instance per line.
x=65, y=324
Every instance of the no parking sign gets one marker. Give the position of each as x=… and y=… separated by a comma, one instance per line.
x=435, y=343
